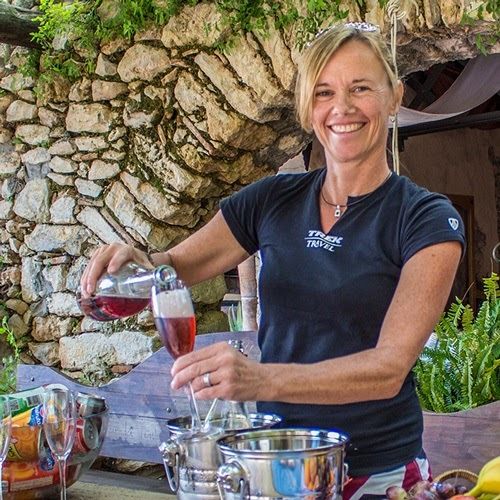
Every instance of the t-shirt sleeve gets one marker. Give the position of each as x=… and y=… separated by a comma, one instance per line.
x=430, y=220
x=243, y=212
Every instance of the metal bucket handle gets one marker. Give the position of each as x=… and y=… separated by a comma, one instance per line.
x=496, y=252
x=171, y=462
x=344, y=478
x=232, y=477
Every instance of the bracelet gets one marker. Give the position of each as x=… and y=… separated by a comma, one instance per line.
x=154, y=264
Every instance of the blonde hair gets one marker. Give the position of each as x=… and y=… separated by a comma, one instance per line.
x=319, y=52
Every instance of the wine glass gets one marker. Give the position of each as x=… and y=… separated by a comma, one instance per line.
x=5, y=431
x=59, y=424
x=174, y=318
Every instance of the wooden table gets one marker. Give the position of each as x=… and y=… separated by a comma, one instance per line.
x=95, y=485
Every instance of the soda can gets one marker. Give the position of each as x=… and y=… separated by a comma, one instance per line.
x=21, y=401
x=89, y=404
x=25, y=444
x=46, y=459
x=86, y=436
x=26, y=441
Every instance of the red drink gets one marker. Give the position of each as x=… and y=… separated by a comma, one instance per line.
x=177, y=334
x=108, y=307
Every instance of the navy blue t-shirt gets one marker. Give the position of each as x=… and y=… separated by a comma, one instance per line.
x=326, y=295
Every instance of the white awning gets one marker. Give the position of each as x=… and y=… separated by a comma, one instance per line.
x=478, y=81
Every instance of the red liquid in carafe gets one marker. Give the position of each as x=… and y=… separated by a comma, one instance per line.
x=108, y=307
x=177, y=334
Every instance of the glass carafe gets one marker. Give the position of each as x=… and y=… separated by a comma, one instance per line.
x=229, y=415
x=124, y=293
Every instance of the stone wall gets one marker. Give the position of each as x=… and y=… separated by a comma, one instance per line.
x=141, y=152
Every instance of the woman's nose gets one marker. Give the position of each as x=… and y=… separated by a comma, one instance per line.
x=343, y=103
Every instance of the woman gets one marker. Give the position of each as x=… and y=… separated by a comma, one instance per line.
x=357, y=266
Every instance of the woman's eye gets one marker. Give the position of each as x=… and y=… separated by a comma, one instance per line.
x=323, y=93
x=360, y=89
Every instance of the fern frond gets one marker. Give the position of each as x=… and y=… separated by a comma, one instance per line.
x=494, y=380
x=491, y=287
x=468, y=318
x=462, y=369
x=454, y=315
x=467, y=382
x=435, y=391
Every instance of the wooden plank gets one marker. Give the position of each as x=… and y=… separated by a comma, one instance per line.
x=89, y=491
x=114, y=486
x=462, y=440
x=139, y=404
x=128, y=481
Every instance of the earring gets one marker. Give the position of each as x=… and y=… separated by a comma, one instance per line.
x=392, y=118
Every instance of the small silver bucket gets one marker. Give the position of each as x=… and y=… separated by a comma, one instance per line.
x=282, y=463
x=191, y=459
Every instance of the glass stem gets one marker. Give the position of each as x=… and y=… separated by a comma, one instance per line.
x=1, y=484
x=208, y=417
x=62, y=477
x=193, y=405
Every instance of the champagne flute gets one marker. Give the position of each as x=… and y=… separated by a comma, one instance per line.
x=59, y=424
x=174, y=318
x=5, y=431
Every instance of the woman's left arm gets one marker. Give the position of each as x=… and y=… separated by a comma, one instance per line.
x=375, y=373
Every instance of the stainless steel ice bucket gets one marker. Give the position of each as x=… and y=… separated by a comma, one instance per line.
x=282, y=463
x=191, y=459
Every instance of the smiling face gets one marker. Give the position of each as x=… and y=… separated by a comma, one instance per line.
x=352, y=102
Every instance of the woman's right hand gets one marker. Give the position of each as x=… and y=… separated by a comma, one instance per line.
x=109, y=258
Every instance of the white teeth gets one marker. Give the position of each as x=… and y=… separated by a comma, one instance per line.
x=346, y=128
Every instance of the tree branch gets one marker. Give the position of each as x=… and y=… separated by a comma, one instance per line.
x=17, y=25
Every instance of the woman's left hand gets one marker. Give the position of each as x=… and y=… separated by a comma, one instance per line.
x=232, y=376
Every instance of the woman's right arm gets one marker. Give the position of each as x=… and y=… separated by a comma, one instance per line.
x=208, y=252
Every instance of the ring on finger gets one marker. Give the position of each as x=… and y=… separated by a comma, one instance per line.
x=206, y=380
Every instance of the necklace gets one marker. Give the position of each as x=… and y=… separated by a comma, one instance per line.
x=339, y=207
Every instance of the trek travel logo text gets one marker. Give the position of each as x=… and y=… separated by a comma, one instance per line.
x=318, y=239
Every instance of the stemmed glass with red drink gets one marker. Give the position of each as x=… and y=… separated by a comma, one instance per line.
x=174, y=318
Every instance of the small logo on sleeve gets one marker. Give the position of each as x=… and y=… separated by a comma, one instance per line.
x=453, y=223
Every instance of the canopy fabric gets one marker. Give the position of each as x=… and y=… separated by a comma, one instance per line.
x=478, y=81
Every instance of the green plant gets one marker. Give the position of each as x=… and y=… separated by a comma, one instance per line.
x=477, y=12
x=235, y=317
x=133, y=15
x=9, y=363
x=17, y=140
x=70, y=32
x=8, y=375
x=6, y=331
x=462, y=369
